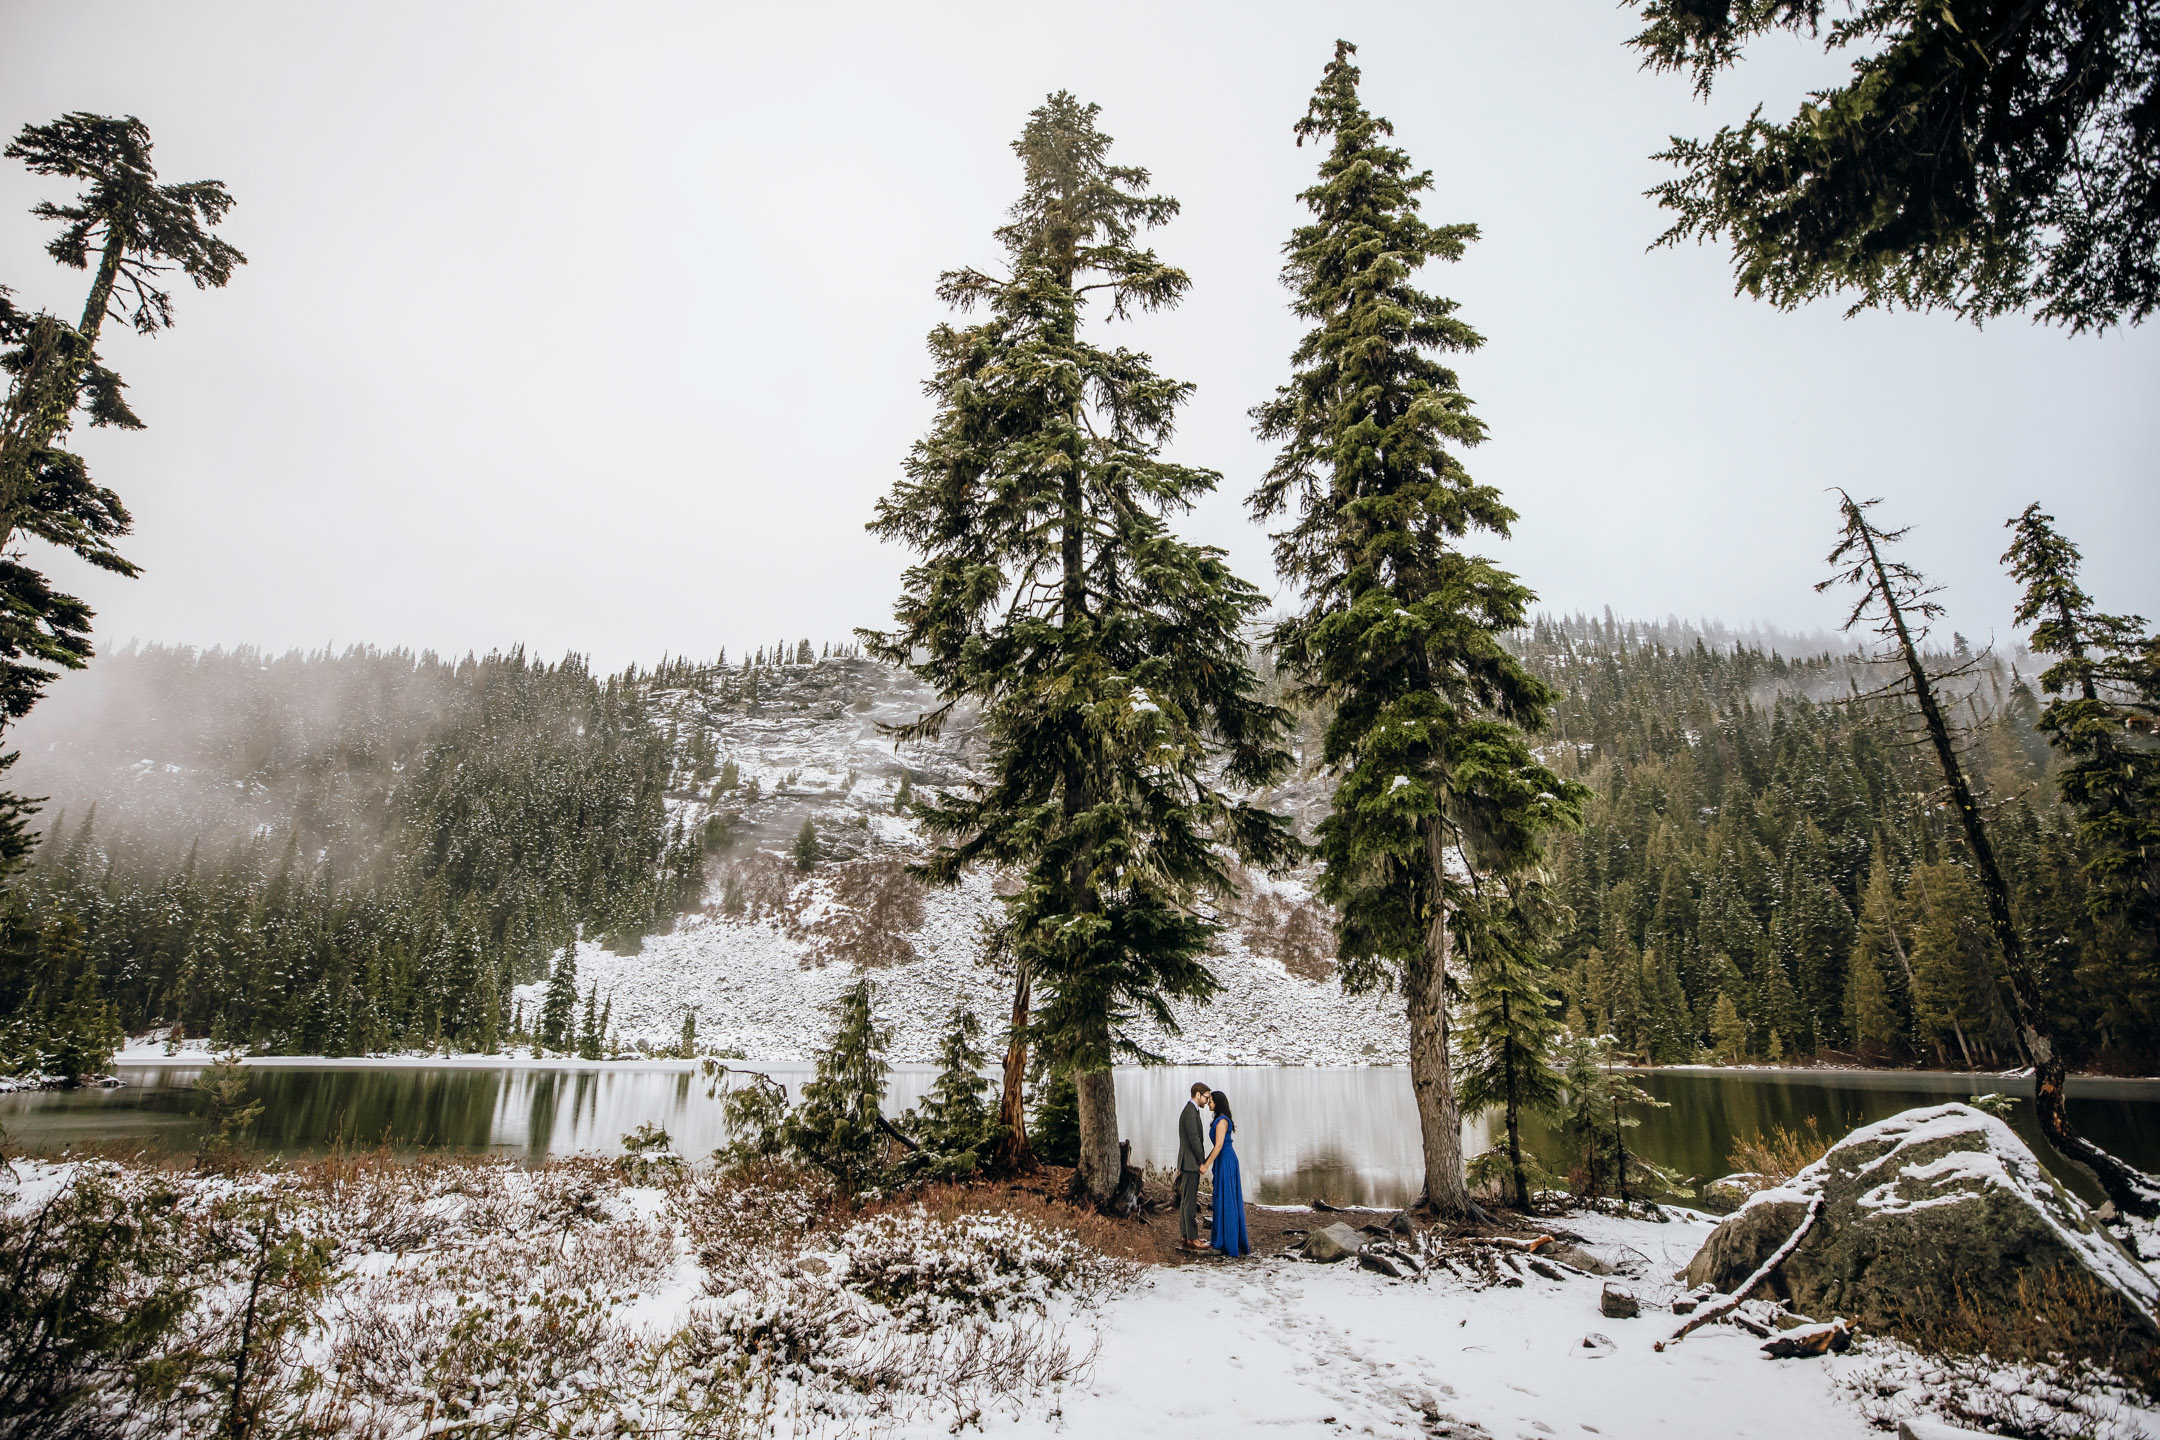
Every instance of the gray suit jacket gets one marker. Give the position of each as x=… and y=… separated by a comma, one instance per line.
x=1192, y=1139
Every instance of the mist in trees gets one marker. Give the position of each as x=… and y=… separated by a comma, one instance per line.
x=362, y=852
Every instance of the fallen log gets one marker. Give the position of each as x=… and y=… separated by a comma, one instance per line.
x=1531, y=1245
x=1835, y=1335
x=1727, y=1304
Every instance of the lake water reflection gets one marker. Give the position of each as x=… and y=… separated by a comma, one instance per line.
x=1348, y=1135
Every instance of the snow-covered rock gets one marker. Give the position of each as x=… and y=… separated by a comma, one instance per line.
x=1917, y=1210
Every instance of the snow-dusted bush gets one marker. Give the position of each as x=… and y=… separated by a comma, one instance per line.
x=901, y=1310
x=370, y=1299
x=929, y=1272
x=2032, y=1400
x=2056, y=1363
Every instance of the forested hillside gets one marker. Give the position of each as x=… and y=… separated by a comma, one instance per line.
x=1767, y=870
x=370, y=851
x=332, y=853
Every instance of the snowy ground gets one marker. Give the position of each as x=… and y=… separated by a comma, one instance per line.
x=1281, y=1347
x=1291, y=1349
x=1306, y=1350
x=928, y=1323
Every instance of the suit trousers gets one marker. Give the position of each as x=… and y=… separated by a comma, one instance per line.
x=1188, y=1204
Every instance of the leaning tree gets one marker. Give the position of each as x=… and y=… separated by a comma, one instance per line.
x=1107, y=657
x=1895, y=602
x=1399, y=637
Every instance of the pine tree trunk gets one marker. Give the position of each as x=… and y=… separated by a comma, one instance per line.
x=1012, y=1155
x=2132, y=1193
x=1432, y=1081
x=101, y=288
x=45, y=396
x=1100, y=1166
x=1514, y=1115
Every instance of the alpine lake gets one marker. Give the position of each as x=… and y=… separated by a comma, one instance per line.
x=1347, y=1135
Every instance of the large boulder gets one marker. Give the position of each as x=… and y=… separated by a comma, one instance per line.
x=1917, y=1210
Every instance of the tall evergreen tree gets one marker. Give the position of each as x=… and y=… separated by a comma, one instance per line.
x=2102, y=717
x=1884, y=990
x=1599, y=1112
x=953, y=1125
x=1400, y=634
x=839, y=1123
x=127, y=229
x=558, y=1011
x=1953, y=966
x=589, y=1032
x=1870, y=1018
x=1728, y=1032
x=1106, y=655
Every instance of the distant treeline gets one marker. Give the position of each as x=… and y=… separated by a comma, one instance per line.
x=334, y=854
x=1766, y=869
x=346, y=853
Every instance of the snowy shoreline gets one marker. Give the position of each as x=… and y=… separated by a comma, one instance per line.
x=149, y=1053
x=663, y=1267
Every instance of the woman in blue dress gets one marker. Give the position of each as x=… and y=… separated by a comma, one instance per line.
x=1229, y=1219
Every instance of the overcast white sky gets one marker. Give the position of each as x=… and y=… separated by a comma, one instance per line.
x=600, y=326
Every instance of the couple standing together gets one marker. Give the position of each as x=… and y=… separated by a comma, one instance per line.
x=1204, y=1131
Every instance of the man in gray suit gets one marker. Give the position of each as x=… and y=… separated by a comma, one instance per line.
x=1192, y=1150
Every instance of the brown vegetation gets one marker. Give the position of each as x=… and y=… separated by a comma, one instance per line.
x=1299, y=935
x=1778, y=1154
x=872, y=907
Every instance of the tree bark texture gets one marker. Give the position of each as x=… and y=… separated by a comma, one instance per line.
x=1100, y=1165
x=1514, y=1114
x=1013, y=1155
x=1432, y=1080
x=99, y=299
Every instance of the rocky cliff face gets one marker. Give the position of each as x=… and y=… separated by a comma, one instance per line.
x=775, y=943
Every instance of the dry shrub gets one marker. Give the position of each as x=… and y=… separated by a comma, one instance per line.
x=1038, y=1199
x=2064, y=1362
x=2062, y=1313
x=1300, y=935
x=858, y=910
x=757, y=887
x=504, y=1322
x=1779, y=1154
x=517, y=1355
x=865, y=913
x=757, y=1210
x=379, y=1198
x=480, y=1298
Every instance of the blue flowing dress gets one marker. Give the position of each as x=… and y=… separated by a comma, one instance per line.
x=1228, y=1234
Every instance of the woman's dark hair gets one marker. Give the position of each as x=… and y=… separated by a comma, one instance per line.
x=1222, y=1106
